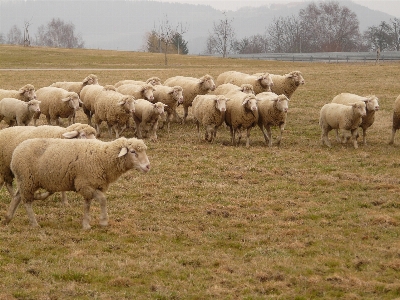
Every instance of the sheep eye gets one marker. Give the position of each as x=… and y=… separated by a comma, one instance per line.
x=134, y=152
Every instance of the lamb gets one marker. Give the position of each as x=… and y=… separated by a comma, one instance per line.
x=57, y=103
x=172, y=97
x=260, y=82
x=151, y=80
x=147, y=114
x=25, y=93
x=396, y=119
x=340, y=116
x=241, y=114
x=113, y=108
x=209, y=110
x=72, y=86
x=372, y=106
x=191, y=88
x=17, y=111
x=86, y=167
x=88, y=96
x=11, y=137
x=226, y=88
x=139, y=91
x=272, y=111
x=287, y=84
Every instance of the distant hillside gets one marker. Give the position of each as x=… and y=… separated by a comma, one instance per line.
x=121, y=25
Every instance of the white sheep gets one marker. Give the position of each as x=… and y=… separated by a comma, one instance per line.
x=11, y=137
x=241, y=114
x=209, y=111
x=88, y=96
x=25, y=93
x=146, y=115
x=56, y=103
x=17, y=111
x=226, y=88
x=372, y=105
x=151, y=80
x=86, y=167
x=340, y=116
x=395, y=119
x=113, y=108
x=272, y=111
x=172, y=97
x=260, y=82
x=139, y=91
x=287, y=84
x=72, y=86
x=191, y=88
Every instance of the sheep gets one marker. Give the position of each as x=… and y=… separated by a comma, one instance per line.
x=88, y=96
x=209, y=110
x=147, y=114
x=287, y=84
x=152, y=80
x=372, y=106
x=139, y=91
x=396, y=119
x=113, y=108
x=261, y=82
x=25, y=93
x=11, y=137
x=226, y=88
x=57, y=103
x=17, y=111
x=340, y=116
x=86, y=167
x=172, y=97
x=191, y=88
x=272, y=111
x=72, y=86
x=241, y=114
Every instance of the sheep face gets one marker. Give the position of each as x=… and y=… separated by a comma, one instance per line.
x=247, y=88
x=266, y=81
x=148, y=92
x=250, y=102
x=28, y=91
x=372, y=103
x=177, y=94
x=282, y=103
x=75, y=134
x=91, y=79
x=297, y=77
x=207, y=83
x=128, y=104
x=159, y=108
x=33, y=106
x=73, y=100
x=135, y=156
x=154, y=81
x=359, y=109
x=220, y=103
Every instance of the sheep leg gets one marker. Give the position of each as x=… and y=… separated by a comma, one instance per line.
x=86, y=214
x=354, y=137
x=281, y=130
x=269, y=134
x=98, y=130
x=15, y=201
x=239, y=137
x=261, y=126
x=178, y=119
x=391, y=142
x=48, y=120
x=248, y=137
x=101, y=198
x=153, y=132
x=31, y=214
x=364, y=136
x=185, y=113
x=324, y=137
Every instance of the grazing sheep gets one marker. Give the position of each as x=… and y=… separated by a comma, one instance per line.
x=72, y=86
x=226, y=88
x=172, y=97
x=191, y=88
x=272, y=111
x=396, y=119
x=151, y=80
x=260, y=82
x=241, y=114
x=139, y=91
x=25, y=93
x=88, y=97
x=287, y=84
x=209, y=111
x=113, y=108
x=372, y=106
x=86, y=167
x=17, y=111
x=147, y=114
x=340, y=116
x=56, y=103
x=11, y=137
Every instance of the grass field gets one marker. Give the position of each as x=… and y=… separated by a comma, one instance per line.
x=213, y=221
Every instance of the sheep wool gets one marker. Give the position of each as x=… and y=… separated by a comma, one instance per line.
x=170, y=96
x=88, y=96
x=287, y=84
x=139, y=91
x=261, y=82
x=146, y=115
x=226, y=88
x=25, y=93
x=395, y=119
x=152, y=80
x=16, y=111
x=72, y=86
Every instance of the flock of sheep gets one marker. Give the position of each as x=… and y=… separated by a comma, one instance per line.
x=36, y=156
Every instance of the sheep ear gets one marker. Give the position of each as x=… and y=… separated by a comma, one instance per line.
x=70, y=134
x=121, y=102
x=65, y=99
x=245, y=101
x=227, y=99
x=123, y=152
x=80, y=101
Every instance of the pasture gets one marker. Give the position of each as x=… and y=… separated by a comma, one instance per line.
x=213, y=221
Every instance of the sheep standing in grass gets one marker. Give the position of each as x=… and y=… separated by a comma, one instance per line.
x=241, y=114
x=287, y=84
x=113, y=108
x=17, y=111
x=372, y=105
x=272, y=111
x=152, y=80
x=146, y=115
x=340, y=116
x=191, y=88
x=86, y=167
x=25, y=93
x=56, y=103
x=227, y=88
x=209, y=111
x=139, y=91
x=88, y=97
x=260, y=82
x=396, y=119
x=11, y=137
x=72, y=86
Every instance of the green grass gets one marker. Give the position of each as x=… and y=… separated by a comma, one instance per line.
x=213, y=221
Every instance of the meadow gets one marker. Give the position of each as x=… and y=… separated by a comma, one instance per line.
x=214, y=221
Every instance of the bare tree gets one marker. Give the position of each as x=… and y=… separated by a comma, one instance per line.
x=58, y=34
x=382, y=36
x=14, y=36
x=222, y=38
x=254, y=44
x=27, y=39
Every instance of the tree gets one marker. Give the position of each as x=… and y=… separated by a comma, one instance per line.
x=254, y=44
x=382, y=36
x=27, y=39
x=180, y=44
x=58, y=34
x=222, y=39
x=284, y=35
x=154, y=44
x=2, y=39
x=14, y=36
